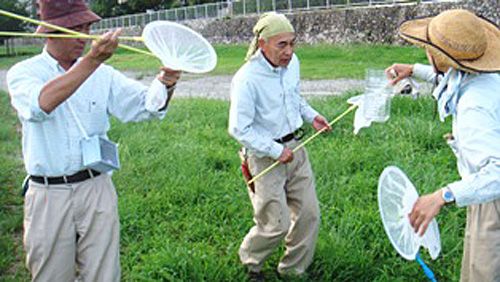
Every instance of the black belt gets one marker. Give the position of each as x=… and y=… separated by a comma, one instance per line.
x=77, y=177
x=297, y=135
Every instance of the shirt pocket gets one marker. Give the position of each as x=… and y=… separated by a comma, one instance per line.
x=94, y=116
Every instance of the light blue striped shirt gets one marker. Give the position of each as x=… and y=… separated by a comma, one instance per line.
x=476, y=131
x=266, y=104
x=51, y=142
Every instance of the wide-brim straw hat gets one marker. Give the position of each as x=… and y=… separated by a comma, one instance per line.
x=458, y=39
x=64, y=13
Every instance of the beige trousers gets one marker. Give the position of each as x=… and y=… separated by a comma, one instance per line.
x=285, y=206
x=481, y=260
x=71, y=231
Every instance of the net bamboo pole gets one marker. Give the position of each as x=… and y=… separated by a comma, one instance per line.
x=66, y=30
x=269, y=168
x=58, y=35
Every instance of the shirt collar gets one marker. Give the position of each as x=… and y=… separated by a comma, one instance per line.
x=265, y=63
x=51, y=61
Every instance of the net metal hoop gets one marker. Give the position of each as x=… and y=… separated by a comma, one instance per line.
x=186, y=66
x=397, y=226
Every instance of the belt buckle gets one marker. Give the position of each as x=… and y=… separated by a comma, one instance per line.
x=298, y=134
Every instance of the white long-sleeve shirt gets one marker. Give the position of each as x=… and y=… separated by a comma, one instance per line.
x=266, y=105
x=476, y=131
x=51, y=142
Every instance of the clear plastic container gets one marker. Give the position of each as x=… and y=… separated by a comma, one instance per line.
x=377, y=97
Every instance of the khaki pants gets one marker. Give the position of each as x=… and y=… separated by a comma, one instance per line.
x=285, y=206
x=481, y=260
x=71, y=231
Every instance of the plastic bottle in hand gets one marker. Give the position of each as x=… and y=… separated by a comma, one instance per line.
x=377, y=97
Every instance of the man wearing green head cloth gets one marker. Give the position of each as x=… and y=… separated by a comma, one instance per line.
x=266, y=115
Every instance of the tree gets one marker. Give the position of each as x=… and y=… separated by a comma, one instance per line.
x=17, y=7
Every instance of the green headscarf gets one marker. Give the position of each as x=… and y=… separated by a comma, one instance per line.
x=269, y=24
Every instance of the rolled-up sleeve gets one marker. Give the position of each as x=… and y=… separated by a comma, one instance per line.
x=24, y=89
x=241, y=117
x=156, y=97
x=130, y=100
x=424, y=72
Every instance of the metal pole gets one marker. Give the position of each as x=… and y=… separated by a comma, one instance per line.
x=244, y=8
x=258, y=6
x=274, y=5
x=289, y=5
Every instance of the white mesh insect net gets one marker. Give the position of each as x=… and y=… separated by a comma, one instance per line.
x=179, y=47
x=396, y=197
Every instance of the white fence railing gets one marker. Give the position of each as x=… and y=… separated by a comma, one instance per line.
x=233, y=8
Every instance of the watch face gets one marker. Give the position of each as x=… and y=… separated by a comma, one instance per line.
x=448, y=196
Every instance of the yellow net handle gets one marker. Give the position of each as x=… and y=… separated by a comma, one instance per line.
x=303, y=144
x=66, y=30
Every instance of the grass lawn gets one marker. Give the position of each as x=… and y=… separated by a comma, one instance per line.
x=23, y=53
x=184, y=208
x=318, y=61
x=11, y=209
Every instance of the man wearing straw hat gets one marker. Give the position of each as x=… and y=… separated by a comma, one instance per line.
x=266, y=114
x=71, y=225
x=465, y=50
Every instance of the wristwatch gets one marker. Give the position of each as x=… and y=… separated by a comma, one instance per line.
x=447, y=195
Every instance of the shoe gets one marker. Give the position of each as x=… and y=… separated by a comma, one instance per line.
x=255, y=276
x=291, y=277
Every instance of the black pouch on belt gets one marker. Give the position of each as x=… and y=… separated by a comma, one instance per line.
x=25, y=185
x=245, y=170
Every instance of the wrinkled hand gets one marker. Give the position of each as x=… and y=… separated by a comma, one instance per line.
x=286, y=156
x=103, y=48
x=168, y=76
x=424, y=210
x=320, y=122
x=397, y=72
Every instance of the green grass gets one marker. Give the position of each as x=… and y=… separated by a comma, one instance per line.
x=25, y=52
x=184, y=208
x=317, y=61
x=11, y=209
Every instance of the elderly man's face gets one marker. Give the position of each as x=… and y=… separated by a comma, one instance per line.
x=278, y=49
x=69, y=49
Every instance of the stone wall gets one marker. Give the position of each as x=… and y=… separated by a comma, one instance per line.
x=376, y=24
